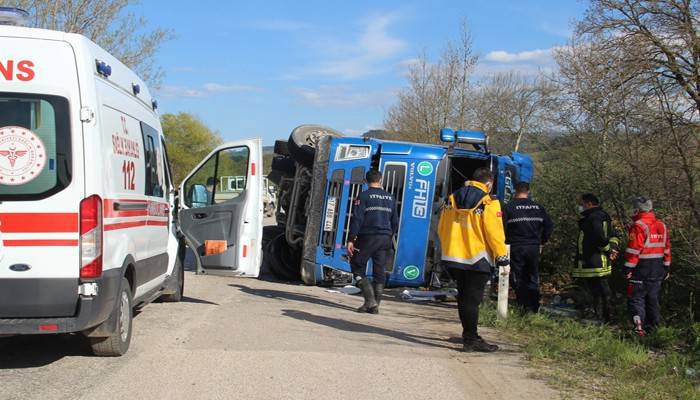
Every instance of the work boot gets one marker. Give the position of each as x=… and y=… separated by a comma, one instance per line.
x=370, y=304
x=378, y=291
x=479, y=345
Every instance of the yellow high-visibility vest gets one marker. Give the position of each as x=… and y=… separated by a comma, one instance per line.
x=468, y=236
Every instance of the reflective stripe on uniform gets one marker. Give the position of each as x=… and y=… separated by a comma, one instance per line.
x=630, y=265
x=469, y=261
x=667, y=263
x=632, y=251
x=651, y=256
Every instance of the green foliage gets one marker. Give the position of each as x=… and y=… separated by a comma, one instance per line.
x=586, y=360
x=188, y=141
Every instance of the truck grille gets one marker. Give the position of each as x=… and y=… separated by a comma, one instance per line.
x=335, y=191
x=393, y=181
x=357, y=178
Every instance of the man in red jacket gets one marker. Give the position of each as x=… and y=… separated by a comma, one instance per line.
x=647, y=264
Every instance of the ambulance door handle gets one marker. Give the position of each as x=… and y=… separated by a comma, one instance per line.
x=200, y=215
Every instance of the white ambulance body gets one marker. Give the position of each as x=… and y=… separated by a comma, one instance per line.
x=87, y=227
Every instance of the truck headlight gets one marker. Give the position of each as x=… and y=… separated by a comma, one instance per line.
x=351, y=152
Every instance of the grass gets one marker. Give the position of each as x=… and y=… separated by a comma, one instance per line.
x=604, y=362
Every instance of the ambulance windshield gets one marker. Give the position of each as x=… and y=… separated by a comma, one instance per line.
x=34, y=146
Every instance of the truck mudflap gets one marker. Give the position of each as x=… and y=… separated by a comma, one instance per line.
x=311, y=274
x=91, y=311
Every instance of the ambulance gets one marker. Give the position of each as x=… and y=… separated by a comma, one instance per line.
x=87, y=222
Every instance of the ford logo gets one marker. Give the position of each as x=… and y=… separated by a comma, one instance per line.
x=20, y=267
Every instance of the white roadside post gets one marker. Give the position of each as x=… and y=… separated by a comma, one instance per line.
x=503, y=277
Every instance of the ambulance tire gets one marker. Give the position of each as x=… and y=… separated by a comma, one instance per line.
x=303, y=141
x=284, y=261
x=180, y=276
x=118, y=343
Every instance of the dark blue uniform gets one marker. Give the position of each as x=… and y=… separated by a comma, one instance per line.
x=372, y=226
x=527, y=227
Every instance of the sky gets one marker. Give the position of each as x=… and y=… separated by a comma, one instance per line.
x=261, y=68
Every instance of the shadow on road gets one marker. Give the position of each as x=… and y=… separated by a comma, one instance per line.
x=282, y=295
x=350, y=326
x=34, y=351
x=193, y=300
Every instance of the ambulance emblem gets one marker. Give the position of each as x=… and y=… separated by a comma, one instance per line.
x=22, y=155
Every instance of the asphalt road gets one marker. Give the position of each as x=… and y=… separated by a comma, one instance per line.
x=244, y=338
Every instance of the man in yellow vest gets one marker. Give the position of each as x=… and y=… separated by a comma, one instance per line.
x=473, y=242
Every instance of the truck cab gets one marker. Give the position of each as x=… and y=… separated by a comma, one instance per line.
x=317, y=199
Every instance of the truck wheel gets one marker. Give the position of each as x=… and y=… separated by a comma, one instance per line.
x=180, y=276
x=284, y=261
x=118, y=343
x=281, y=147
x=284, y=164
x=304, y=139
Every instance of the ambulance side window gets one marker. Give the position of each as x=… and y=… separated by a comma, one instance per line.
x=220, y=179
x=154, y=183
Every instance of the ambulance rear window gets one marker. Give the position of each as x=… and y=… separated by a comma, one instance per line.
x=35, y=159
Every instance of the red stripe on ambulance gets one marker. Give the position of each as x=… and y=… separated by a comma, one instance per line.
x=38, y=222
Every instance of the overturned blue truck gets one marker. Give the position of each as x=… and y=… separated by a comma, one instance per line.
x=319, y=173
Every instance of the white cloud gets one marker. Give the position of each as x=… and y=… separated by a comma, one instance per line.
x=365, y=55
x=537, y=55
x=207, y=89
x=529, y=62
x=342, y=96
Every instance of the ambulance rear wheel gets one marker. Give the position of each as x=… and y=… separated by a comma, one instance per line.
x=118, y=343
x=304, y=140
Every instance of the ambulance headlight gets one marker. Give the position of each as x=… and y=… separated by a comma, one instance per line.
x=351, y=152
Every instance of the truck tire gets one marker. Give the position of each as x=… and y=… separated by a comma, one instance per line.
x=180, y=277
x=284, y=261
x=118, y=343
x=281, y=147
x=303, y=140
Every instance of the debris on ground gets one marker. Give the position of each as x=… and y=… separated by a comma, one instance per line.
x=428, y=295
x=347, y=289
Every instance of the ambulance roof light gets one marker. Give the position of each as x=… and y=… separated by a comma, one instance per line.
x=103, y=69
x=13, y=16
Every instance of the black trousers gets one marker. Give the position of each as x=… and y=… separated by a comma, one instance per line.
x=643, y=301
x=595, y=292
x=470, y=292
x=379, y=249
x=525, y=275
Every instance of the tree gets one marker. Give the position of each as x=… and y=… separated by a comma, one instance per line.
x=107, y=23
x=437, y=95
x=509, y=107
x=627, y=102
x=188, y=140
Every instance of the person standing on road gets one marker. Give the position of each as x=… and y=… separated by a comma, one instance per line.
x=647, y=265
x=528, y=227
x=373, y=225
x=472, y=241
x=596, y=250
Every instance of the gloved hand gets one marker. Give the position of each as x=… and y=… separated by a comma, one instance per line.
x=502, y=261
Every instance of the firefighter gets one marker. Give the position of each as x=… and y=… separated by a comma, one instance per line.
x=372, y=228
x=528, y=227
x=596, y=250
x=472, y=241
x=647, y=265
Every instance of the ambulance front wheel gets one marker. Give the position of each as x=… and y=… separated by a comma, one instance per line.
x=117, y=344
